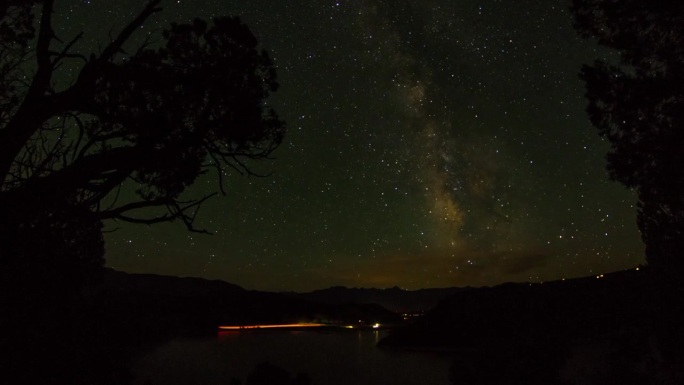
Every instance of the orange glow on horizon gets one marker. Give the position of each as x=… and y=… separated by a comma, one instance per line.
x=272, y=326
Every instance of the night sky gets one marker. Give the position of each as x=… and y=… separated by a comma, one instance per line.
x=430, y=143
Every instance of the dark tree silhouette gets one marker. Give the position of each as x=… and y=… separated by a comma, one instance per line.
x=148, y=116
x=638, y=105
x=155, y=118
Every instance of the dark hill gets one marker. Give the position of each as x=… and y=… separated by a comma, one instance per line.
x=162, y=284
x=394, y=299
x=97, y=334
x=618, y=328
x=173, y=306
x=516, y=314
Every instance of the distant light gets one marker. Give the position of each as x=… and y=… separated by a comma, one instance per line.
x=637, y=269
x=271, y=326
x=376, y=326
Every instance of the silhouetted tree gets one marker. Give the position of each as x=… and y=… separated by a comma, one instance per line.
x=638, y=105
x=155, y=118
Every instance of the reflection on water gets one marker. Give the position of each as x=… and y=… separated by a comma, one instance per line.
x=329, y=358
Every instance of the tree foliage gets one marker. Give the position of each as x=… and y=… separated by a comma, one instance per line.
x=156, y=118
x=638, y=105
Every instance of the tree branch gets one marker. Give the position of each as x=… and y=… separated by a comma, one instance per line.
x=219, y=172
x=66, y=181
x=115, y=46
x=145, y=221
x=116, y=212
x=189, y=221
x=176, y=211
x=65, y=52
x=43, y=76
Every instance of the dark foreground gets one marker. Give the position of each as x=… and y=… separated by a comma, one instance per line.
x=620, y=328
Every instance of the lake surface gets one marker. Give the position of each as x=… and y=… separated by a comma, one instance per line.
x=329, y=358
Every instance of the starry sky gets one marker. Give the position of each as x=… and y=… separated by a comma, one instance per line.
x=430, y=143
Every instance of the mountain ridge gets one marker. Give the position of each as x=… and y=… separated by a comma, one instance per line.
x=394, y=299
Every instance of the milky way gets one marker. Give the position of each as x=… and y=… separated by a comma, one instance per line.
x=430, y=143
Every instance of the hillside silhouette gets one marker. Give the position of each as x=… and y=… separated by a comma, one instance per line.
x=124, y=314
x=395, y=299
x=604, y=329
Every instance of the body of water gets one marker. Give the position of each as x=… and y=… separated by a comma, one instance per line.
x=328, y=357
